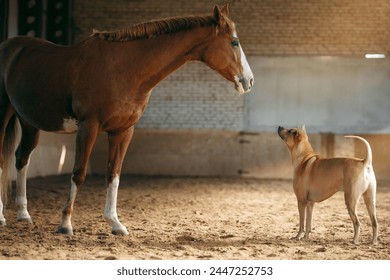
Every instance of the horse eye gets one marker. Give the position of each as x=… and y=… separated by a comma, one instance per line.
x=235, y=44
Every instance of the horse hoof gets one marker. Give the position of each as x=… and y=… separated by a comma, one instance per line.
x=66, y=231
x=27, y=220
x=3, y=223
x=120, y=231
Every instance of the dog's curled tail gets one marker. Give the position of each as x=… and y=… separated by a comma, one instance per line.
x=368, y=160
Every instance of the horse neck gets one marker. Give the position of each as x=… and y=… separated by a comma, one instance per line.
x=152, y=60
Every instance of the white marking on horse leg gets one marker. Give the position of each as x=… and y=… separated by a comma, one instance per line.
x=66, y=224
x=110, y=214
x=2, y=219
x=21, y=194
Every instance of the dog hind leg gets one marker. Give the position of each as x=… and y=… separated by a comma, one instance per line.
x=369, y=200
x=351, y=204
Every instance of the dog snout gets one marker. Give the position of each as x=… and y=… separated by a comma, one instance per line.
x=282, y=132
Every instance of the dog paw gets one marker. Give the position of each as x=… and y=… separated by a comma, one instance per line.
x=299, y=236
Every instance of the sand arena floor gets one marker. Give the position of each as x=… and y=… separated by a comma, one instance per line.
x=190, y=218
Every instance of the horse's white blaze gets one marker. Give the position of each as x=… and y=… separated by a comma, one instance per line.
x=247, y=72
x=247, y=75
x=69, y=125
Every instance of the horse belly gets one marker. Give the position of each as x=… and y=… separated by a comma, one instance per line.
x=56, y=124
x=45, y=115
x=49, y=110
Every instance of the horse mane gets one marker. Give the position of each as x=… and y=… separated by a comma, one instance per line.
x=155, y=28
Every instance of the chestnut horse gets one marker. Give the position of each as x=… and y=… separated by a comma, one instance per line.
x=101, y=84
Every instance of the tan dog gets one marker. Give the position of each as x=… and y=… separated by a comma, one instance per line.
x=317, y=178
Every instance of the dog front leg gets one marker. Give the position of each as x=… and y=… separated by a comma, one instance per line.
x=309, y=218
x=302, y=214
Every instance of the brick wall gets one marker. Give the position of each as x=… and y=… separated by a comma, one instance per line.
x=316, y=27
x=266, y=27
x=195, y=96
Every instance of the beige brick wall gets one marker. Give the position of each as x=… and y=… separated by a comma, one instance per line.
x=266, y=27
x=320, y=27
x=195, y=97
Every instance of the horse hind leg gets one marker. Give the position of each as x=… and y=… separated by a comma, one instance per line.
x=7, y=140
x=28, y=142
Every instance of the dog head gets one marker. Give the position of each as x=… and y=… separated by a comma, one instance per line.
x=292, y=137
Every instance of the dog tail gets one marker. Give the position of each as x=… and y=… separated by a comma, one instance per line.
x=368, y=160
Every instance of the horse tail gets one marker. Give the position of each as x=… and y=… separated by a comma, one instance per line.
x=8, y=151
x=368, y=160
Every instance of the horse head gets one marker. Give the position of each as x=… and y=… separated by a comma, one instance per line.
x=225, y=55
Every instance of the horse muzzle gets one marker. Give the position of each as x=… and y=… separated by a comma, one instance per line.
x=244, y=84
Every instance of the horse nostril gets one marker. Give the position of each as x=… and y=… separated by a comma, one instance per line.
x=251, y=81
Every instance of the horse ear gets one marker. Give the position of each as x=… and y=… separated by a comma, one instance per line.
x=304, y=128
x=225, y=10
x=219, y=17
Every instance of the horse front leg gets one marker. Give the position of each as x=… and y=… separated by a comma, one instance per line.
x=86, y=137
x=118, y=144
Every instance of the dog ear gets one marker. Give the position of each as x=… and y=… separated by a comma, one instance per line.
x=297, y=135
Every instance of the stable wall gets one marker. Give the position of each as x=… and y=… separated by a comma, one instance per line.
x=341, y=95
x=229, y=153
x=204, y=153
